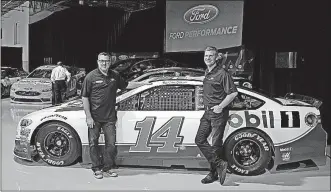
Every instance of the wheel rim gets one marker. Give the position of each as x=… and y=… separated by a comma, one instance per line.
x=57, y=144
x=246, y=152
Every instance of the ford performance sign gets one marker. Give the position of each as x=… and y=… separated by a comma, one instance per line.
x=192, y=25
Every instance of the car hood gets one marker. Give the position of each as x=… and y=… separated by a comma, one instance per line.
x=34, y=83
x=75, y=105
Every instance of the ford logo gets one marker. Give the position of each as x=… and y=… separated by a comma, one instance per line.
x=201, y=14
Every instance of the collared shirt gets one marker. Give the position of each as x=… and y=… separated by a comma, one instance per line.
x=60, y=73
x=101, y=91
x=217, y=84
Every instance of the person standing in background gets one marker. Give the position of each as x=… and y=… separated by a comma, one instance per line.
x=60, y=75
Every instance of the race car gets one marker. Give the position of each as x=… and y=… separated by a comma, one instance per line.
x=36, y=88
x=10, y=75
x=157, y=124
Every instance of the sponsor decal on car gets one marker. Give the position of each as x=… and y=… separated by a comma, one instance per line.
x=286, y=156
x=54, y=115
x=285, y=149
x=166, y=138
x=289, y=119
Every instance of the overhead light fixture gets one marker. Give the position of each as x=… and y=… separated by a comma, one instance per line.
x=81, y=2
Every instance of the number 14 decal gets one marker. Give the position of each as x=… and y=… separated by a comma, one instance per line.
x=165, y=138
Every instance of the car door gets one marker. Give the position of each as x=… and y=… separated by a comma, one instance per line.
x=158, y=122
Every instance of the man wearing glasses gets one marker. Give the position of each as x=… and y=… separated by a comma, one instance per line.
x=99, y=100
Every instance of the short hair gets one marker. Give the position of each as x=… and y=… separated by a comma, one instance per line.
x=59, y=63
x=104, y=54
x=211, y=48
x=111, y=56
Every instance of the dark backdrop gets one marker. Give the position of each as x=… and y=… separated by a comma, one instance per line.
x=11, y=56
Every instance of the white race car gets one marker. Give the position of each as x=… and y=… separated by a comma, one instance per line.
x=157, y=124
x=36, y=88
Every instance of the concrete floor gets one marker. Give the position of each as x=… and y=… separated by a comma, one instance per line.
x=16, y=176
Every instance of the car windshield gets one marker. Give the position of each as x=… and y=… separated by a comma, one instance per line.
x=41, y=73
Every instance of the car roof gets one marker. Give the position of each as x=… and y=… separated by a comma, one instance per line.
x=50, y=66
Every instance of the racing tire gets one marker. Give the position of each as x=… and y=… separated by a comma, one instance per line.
x=57, y=144
x=252, y=146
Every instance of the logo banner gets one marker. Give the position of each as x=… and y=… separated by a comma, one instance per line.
x=193, y=25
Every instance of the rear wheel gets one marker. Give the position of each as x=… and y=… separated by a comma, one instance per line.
x=248, y=152
x=57, y=144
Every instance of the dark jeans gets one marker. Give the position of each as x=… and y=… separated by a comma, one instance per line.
x=212, y=123
x=106, y=160
x=60, y=88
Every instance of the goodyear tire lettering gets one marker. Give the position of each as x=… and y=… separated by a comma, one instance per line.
x=65, y=131
x=232, y=154
x=68, y=156
x=242, y=171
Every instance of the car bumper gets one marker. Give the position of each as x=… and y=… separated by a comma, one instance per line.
x=43, y=98
x=23, y=150
x=312, y=147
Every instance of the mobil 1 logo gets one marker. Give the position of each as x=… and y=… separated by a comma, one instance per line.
x=288, y=119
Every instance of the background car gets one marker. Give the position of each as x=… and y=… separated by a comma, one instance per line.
x=10, y=75
x=157, y=124
x=136, y=67
x=150, y=74
x=166, y=72
x=37, y=86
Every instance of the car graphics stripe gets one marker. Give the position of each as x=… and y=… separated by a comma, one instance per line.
x=297, y=138
x=69, y=109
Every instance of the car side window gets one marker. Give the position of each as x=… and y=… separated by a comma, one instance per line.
x=129, y=104
x=168, y=98
x=244, y=101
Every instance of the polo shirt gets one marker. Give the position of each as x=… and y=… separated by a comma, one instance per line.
x=217, y=84
x=101, y=91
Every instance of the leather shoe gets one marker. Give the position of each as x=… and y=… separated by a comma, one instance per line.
x=211, y=177
x=221, y=170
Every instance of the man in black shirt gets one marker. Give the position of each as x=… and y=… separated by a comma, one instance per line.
x=99, y=99
x=218, y=91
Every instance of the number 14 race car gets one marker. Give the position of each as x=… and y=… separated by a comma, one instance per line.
x=157, y=124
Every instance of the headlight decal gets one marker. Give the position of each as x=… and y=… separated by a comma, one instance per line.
x=25, y=122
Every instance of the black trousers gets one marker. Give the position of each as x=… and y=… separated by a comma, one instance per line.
x=212, y=123
x=60, y=88
x=106, y=160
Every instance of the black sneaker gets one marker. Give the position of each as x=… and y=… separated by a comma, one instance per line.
x=221, y=170
x=211, y=177
x=98, y=174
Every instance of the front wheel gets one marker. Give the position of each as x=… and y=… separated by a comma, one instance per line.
x=248, y=152
x=57, y=144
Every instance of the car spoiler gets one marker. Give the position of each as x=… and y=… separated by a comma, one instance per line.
x=307, y=99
